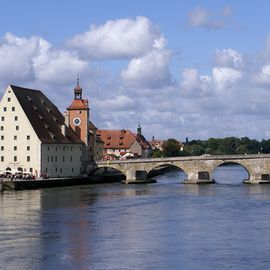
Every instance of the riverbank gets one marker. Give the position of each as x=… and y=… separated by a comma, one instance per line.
x=59, y=182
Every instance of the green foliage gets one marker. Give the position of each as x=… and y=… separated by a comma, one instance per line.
x=157, y=154
x=213, y=146
x=171, y=148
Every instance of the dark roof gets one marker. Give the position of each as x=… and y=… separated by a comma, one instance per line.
x=142, y=141
x=44, y=116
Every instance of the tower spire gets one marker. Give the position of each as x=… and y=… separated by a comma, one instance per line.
x=78, y=89
x=139, y=129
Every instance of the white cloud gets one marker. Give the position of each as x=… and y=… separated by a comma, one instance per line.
x=201, y=17
x=118, y=103
x=194, y=85
x=228, y=58
x=225, y=78
x=57, y=66
x=30, y=59
x=148, y=71
x=122, y=38
x=16, y=54
x=262, y=77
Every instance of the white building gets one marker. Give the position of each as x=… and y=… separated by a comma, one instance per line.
x=34, y=137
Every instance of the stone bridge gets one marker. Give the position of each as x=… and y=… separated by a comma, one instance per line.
x=199, y=169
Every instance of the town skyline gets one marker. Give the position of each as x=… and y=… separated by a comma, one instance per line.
x=180, y=70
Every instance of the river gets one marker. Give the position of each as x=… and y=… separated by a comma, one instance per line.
x=167, y=225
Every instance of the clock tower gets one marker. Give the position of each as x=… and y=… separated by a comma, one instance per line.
x=77, y=116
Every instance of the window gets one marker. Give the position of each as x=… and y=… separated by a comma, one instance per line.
x=15, y=118
x=56, y=169
x=15, y=158
x=15, y=148
x=51, y=158
x=72, y=170
x=2, y=158
x=71, y=148
x=31, y=169
x=2, y=127
x=55, y=148
x=46, y=169
x=48, y=158
x=55, y=158
x=28, y=158
x=2, y=137
x=48, y=148
x=15, y=137
x=5, y=109
x=2, y=148
x=80, y=158
x=28, y=148
x=28, y=137
x=63, y=158
x=8, y=99
x=3, y=118
x=70, y=158
x=17, y=127
x=13, y=109
x=60, y=170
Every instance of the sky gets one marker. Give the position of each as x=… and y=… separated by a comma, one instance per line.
x=195, y=69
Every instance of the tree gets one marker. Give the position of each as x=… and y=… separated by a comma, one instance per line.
x=171, y=148
x=212, y=145
x=157, y=153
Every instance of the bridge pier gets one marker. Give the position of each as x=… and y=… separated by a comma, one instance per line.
x=137, y=177
x=258, y=179
x=200, y=177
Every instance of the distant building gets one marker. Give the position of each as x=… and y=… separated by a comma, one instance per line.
x=34, y=136
x=117, y=143
x=145, y=145
x=156, y=144
x=96, y=144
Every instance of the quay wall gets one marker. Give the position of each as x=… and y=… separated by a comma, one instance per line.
x=60, y=182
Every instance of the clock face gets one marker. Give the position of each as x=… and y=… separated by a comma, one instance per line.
x=76, y=121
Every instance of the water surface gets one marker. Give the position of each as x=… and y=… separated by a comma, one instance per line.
x=167, y=225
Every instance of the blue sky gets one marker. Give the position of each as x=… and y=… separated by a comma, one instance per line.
x=181, y=68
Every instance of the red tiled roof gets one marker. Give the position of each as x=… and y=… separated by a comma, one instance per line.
x=79, y=104
x=117, y=139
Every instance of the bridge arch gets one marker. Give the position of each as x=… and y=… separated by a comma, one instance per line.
x=163, y=167
x=245, y=167
x=107, y=168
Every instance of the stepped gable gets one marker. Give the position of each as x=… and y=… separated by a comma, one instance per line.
x=44, y=116
x=117, y=139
